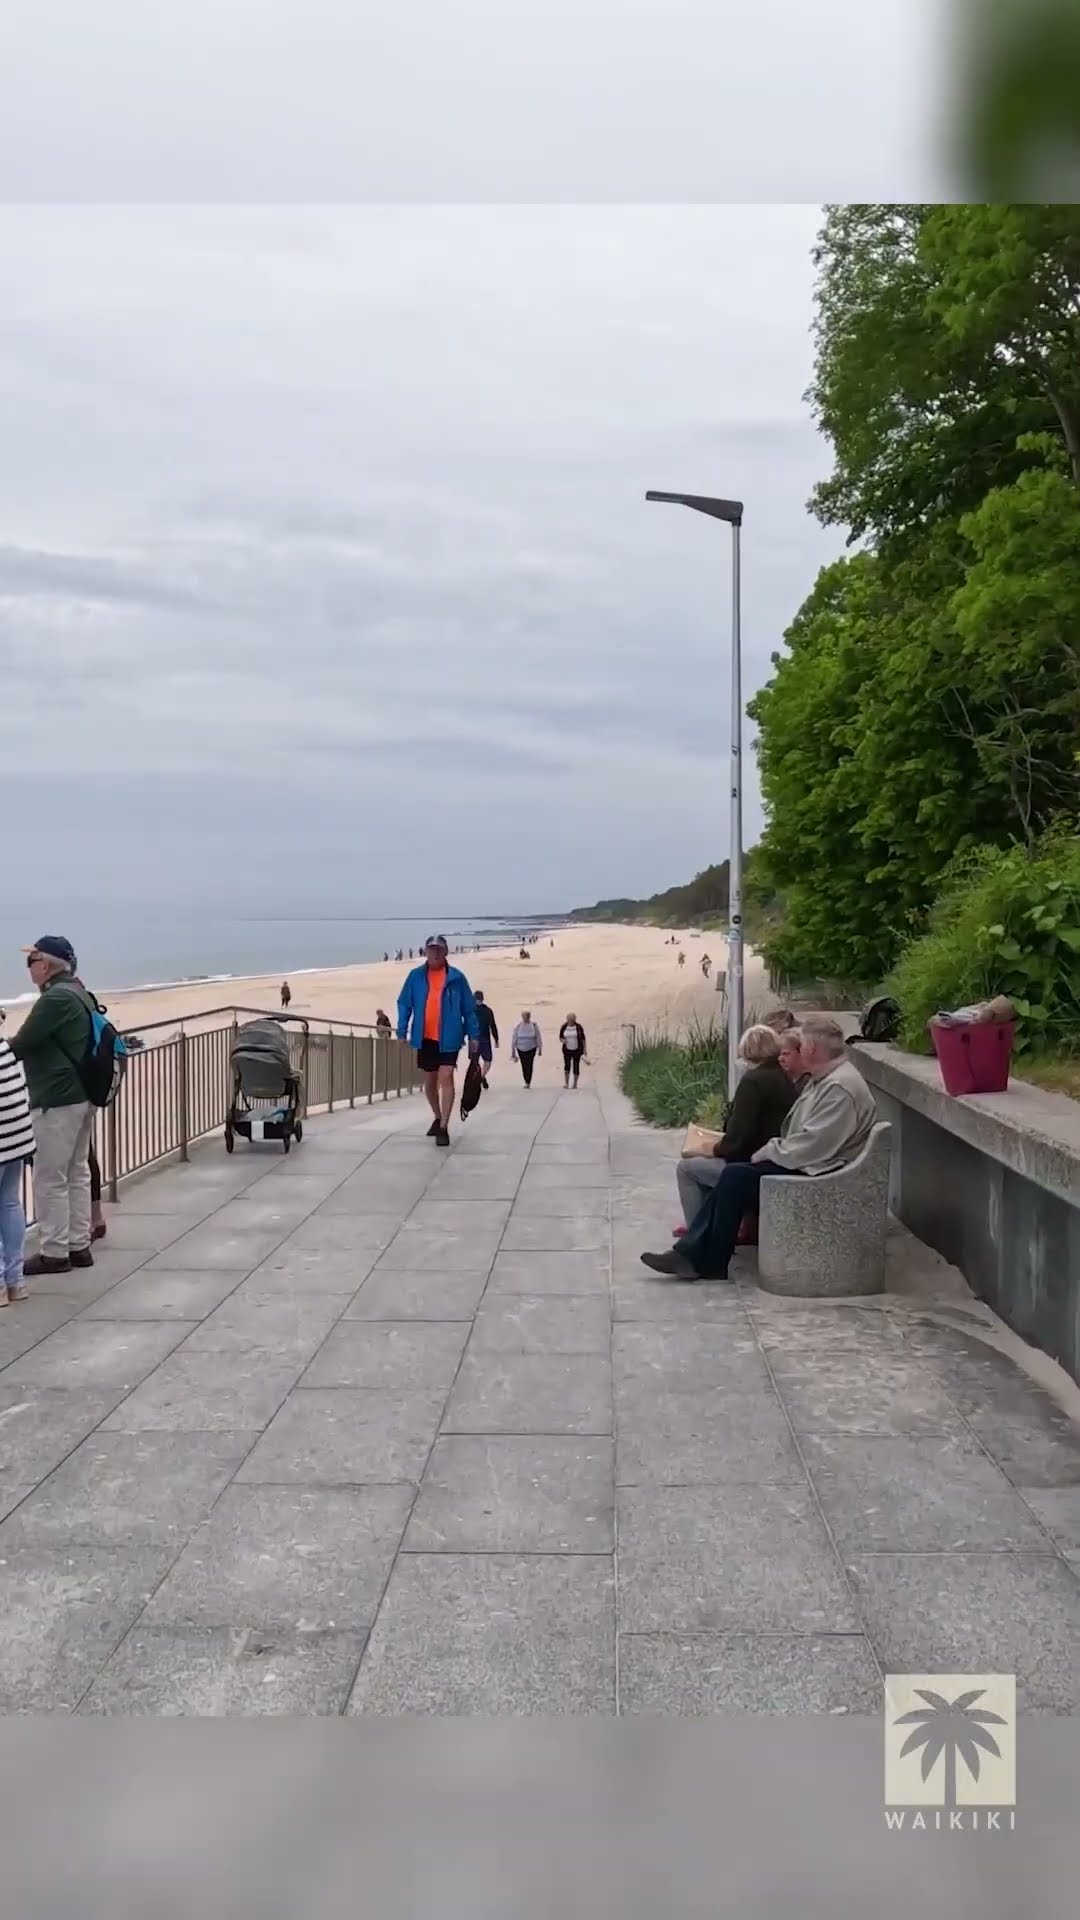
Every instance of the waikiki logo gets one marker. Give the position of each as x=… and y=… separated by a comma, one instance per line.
x=950, y=1752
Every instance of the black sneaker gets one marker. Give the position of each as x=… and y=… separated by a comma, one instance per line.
x=84, y=1258
x=40, y=1264
x=672, y=1265
x=434, y=1130
x=442, y=1138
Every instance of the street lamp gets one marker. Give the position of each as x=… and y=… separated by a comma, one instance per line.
x=732, y=512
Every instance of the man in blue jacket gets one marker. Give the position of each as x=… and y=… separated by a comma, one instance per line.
x=436, y=1012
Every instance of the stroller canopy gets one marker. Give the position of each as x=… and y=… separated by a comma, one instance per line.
x=260, y=1054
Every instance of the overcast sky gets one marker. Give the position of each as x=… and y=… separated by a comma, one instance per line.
x=326, y=577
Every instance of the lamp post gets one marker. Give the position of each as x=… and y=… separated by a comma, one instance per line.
x=730, y=511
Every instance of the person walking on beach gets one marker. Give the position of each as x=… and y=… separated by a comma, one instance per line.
x=489, y=1035
x=286, y=996
x=436, y=1012
x=52, y=1041
x=526, y=1046
x=572, y=1042
x=16, y=1149
x=682, y=958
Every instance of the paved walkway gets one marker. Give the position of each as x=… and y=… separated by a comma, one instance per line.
x=379, y=1429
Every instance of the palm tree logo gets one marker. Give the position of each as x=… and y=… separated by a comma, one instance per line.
x=955, y=1728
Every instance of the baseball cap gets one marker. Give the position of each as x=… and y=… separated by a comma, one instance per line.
x=56, y=947
x=437, y=940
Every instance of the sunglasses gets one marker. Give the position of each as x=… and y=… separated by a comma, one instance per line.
x=33, y=958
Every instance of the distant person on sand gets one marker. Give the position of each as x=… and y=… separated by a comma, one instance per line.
x=526, y=1046
x=489, y=1035
x=16, y=1148
x=706, y=964
x=382, y=1022
x=682, y=958
x=436, y=1013
x=573, y=1044
x=286, y=995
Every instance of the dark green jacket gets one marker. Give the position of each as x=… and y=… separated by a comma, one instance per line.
x=52, y=1042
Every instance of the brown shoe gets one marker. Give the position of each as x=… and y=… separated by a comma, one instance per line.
x=83, y=1258
x=40, y=1264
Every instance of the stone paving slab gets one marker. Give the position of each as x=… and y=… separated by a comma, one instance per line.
x=670, y=1673
x=215, y=1671
x=377, y=1428
x=515, y=1493
x=130, y=1490
x=492, y=1634
x=311, y=1558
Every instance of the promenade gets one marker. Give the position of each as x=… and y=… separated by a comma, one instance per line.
x=375, y=1429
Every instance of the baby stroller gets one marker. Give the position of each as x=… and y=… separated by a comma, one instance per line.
x=263, y=1071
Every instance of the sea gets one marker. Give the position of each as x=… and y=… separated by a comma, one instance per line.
x=124, y=954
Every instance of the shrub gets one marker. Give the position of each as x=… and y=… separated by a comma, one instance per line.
x=672, y=1081
x=1008, y=921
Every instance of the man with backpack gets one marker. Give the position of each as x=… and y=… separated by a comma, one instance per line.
x=58, y=1045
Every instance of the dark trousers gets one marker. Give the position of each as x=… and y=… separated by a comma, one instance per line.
x=711, y=1240
x=527, y=1057
x=571, y=1062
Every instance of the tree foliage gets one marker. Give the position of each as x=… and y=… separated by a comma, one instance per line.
x=929, y=697
x=702, y=898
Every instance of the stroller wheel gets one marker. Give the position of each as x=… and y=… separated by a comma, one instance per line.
x=229, y=1140
x=298, y=1132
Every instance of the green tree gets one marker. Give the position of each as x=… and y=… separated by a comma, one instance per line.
x=1003, y=300
x=929, y=698
x=922, y=420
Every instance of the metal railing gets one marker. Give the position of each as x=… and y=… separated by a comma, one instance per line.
x=177, y=1090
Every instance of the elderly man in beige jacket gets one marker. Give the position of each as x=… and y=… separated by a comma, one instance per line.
x=827, y=1128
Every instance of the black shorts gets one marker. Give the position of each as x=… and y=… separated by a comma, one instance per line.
x=428, y=1057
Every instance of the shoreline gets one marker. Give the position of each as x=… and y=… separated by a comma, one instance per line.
x=611, y=975
x=183, y=982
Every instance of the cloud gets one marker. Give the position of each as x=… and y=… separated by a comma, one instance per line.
x=340, y=517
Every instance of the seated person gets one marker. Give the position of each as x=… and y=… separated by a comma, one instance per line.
x=791, y=1058
x=826, y=1129
x=763, y=1099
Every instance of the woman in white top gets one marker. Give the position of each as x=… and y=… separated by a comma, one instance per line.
x=572, y=1041
x=16, y=1148
x=526, y=1045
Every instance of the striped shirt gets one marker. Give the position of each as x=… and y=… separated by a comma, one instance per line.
x=16, y=1132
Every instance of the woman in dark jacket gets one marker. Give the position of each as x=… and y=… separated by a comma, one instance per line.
x=763, y=1099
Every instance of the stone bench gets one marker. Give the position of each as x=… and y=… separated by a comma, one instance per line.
x=827, y=1235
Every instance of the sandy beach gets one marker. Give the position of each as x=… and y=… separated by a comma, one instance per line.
x=609, y=976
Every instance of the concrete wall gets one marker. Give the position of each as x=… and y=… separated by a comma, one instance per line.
x=993, y=1183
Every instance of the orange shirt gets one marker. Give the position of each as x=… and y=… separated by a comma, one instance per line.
x=436, y=982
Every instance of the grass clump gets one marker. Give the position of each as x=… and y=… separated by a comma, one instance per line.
x=673, y=1080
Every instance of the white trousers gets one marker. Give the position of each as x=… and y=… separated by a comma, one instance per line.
x=62, y=1178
